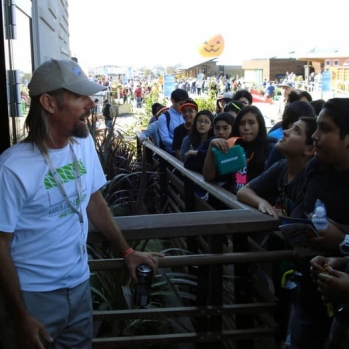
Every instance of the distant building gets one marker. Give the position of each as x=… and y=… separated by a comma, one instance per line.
x=210, y=68
x=271, y=69
x=335, y=60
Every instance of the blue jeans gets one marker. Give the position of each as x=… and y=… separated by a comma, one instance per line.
x=109, y=123
x=309, y=330
x=66, y=315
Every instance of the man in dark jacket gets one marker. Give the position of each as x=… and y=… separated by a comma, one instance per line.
x=106, y=113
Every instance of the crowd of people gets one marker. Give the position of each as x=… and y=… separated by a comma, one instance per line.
x=44, y=278
x=302, y=159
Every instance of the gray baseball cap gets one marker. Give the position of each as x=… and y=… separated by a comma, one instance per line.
x=62, y=73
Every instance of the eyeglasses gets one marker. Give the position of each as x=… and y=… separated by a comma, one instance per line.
x=203, y=122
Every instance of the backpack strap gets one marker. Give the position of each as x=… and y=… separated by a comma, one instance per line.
x=168, y=119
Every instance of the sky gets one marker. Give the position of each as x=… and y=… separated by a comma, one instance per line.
x=147, y=33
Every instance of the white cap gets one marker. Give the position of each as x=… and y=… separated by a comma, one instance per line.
x=62, y=73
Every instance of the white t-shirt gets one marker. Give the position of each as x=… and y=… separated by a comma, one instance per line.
x=48, y=247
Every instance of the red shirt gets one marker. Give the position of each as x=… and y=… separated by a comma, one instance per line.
x=138, y=92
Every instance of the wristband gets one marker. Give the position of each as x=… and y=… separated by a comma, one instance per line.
x=127, y=252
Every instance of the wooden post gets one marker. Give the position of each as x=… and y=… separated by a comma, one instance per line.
x=243, y=289
x=163, y=182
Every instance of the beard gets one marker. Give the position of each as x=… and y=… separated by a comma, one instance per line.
x=80, y=131
x=83, y=130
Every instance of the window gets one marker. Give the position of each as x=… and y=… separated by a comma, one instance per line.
x=327, y=62
x=18, y=52
x=336, y=62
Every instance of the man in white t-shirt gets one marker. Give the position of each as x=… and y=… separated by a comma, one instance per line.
x=50, y=190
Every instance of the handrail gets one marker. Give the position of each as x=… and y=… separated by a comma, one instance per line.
x=161, y=313
x=220, y=193
x=209, y=223
x=201, y=259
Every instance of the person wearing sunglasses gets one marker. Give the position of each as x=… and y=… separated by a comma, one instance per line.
x=222, y=101
x=188, y=109
x=233, y=108
x=244, y=97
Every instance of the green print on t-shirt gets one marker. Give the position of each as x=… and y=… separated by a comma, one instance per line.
x=66, y=173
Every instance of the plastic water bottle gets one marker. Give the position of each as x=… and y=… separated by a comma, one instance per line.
x=319, y=218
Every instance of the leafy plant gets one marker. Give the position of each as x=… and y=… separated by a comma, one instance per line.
x=115, y=153
x=208, y=103
x=112, y=290
x=142, y=117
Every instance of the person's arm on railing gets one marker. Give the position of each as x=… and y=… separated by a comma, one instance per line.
x=150, y=133
x=249, y=197
x=101, y=218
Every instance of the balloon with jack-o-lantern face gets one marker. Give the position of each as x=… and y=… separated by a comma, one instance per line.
x=213, y=47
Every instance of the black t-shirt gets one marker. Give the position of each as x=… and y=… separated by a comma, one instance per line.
x=330, y=186
x=106, y=112
x=272, y=186
x=178, y=135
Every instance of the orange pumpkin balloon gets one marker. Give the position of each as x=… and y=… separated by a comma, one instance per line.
x=213, y=47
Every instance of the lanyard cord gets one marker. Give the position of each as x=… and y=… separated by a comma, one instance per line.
x=60, y=185
x=250, y=158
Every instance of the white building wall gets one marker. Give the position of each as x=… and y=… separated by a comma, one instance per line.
x=50, y=30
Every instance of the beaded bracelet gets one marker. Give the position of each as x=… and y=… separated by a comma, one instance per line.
x=127, y=252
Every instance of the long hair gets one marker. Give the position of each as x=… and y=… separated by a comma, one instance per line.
x=37, y=122
x=258, y=150
x=262, y=130
x=194, y=135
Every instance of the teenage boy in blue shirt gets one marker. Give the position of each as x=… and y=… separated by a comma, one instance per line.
x=178, y=97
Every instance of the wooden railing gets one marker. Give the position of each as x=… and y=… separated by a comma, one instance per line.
x=235, y=224
x=229, y=238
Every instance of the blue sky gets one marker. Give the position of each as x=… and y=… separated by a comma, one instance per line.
x=166, y=32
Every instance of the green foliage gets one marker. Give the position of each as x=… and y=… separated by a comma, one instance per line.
x=208, y=103
x=142, y=118
x=111, y=290
x=123, y=192
x=115, y=154
x=126, y=197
